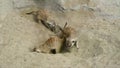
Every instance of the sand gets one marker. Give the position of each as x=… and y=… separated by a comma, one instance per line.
x=97, y=23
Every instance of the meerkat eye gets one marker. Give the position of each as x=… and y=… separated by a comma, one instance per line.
x=73, y=41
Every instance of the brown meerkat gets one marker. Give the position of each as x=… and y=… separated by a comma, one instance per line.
x=42, y=16
x=52, y=45
x=71, y=36
x=69, y=33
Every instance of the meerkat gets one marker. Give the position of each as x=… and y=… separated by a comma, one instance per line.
x=42, y=16
x=69, y=33
x=71, y=36
x=52, y=45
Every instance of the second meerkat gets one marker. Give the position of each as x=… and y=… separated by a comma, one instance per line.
x=52, y=45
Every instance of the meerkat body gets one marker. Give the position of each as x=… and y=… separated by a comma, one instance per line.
x=52, y=45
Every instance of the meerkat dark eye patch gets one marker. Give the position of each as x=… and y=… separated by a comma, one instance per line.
x=53, y=51
x=73, y=41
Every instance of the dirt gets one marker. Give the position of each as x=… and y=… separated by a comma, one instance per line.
x=98, y=28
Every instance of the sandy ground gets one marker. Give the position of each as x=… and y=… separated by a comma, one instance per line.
x=99, y=36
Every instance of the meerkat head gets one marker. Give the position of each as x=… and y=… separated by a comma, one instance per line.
x=70, y=42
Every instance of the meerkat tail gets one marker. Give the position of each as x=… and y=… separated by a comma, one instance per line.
x=65, y=25
x=61, y=29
